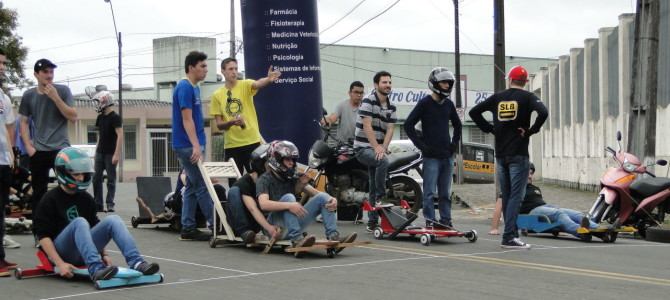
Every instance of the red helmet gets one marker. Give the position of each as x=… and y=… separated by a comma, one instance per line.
x=518, y=73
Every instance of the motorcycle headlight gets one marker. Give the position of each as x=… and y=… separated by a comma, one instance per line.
x=629, y=167
x=313, y=161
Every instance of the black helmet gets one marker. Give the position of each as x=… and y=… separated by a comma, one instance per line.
x=258, y=158
x=531, y=167
x=441, y=74
x=277, y=152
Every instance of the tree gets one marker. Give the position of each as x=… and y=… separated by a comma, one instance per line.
x=11, y=43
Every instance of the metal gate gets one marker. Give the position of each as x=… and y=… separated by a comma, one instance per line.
x=162, y=161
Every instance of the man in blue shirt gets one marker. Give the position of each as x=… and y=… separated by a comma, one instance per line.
x=188, y=141
x=435, y=111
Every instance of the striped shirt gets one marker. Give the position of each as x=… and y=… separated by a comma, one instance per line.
x=382, y=116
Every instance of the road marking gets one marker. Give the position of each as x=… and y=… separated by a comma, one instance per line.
x=189, y=263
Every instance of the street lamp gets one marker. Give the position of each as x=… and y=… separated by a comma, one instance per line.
x=118, y=42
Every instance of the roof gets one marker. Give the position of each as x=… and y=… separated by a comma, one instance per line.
x=82, y=102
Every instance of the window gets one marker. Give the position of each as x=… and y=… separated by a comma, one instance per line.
x=130, y=141
x=91, y=135
x=477, y=136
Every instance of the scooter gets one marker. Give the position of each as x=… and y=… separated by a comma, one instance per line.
x=627, y=198
x=348, y=180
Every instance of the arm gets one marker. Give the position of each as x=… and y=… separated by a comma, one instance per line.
x=189, y=126
x=330, y=119
x=67, y=111
x=268, y=205
x=411, y=121
x=542, y=115
x=25, y=136
x=225, y=125
x=476, y=115
x=458, y=126
x=119, y=142
x=65, y=269
x=256, y=213
x=265, y=81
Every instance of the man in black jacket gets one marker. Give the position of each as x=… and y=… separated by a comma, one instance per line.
x=511, y=111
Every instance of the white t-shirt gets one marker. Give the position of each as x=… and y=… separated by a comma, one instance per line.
x=7, y=117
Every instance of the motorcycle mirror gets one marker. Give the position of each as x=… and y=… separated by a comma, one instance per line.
x=618, y=136
x=90, y=91
x=661, y=162
x=324, y=112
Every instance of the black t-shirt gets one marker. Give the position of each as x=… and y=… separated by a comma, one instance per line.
x=57, y=209
x=246, y=185
x=532, y=199
x=511, y=110
x=107, y=125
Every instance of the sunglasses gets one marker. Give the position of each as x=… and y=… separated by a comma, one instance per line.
x=229, y=94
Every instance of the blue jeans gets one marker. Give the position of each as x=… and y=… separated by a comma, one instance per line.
x=512, y=172
x=80, y=244
x=240, y=219
x=195, y=193
x=377, y=172
x=437, y=173
x=294, y=225
x=569, y=219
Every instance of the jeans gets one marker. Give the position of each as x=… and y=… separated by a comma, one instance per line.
x=294, y=225
x=103, y=162
x=40, y=164
x=195, y=193
x=569, y=219
x=512, y=172
x=437, y=172
x=377, y=170
x=80, y=244
x=241, y=220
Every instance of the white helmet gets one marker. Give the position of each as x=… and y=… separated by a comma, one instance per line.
x=104, y=99
x=441, y=74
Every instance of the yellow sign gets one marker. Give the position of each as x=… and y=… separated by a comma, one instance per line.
x=478, y=167
x=507, y=110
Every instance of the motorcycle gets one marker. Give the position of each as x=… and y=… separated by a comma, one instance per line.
x=347, y=179
x=627, y=198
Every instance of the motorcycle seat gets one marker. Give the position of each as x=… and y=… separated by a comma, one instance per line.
x=646, y=187
x=400, y=159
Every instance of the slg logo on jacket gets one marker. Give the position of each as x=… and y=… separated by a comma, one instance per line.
x=507, y=110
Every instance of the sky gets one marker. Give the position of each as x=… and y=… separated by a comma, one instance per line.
x=78, y=35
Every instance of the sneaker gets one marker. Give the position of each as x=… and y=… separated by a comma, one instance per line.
x=110, y=209
x=370, y=227
x=306, y=241
x=515, y=243
x=105, y=273
x=585, y=223
x=4, y=272
x=7, y=265
x=194, y=235
x=147, y=268
x=347, y=239
x=9, y=243
x=248, y=237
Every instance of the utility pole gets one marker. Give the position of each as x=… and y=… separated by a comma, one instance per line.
x=644, y=81
x=232, y=28
x=498, y=45
x=457, y=86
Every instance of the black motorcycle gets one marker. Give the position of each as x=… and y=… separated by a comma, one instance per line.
x=347, y=179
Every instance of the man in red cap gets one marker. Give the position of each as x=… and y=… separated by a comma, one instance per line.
x=511, y=111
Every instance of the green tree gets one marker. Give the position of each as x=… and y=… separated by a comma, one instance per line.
x=11, y=43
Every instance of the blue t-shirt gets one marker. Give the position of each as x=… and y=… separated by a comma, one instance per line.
x=186, y=96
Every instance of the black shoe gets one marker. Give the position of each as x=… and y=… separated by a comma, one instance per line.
x=110, y=209
x=370, y=227
x=345, y=240
x=585, y=223
x=515, y=243
x=248, y=237
x=147, y=268
x=194, y=235
x=105, y=273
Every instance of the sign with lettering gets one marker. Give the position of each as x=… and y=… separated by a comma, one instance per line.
x=285, y=34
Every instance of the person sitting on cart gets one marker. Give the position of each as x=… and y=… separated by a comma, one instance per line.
x=69, y=230
x=570, y=220
x=246, y=217
x=277, y=190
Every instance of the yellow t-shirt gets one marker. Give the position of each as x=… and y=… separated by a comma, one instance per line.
x=241, y=103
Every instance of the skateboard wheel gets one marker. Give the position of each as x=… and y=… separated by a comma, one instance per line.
x=133, y=221
x=97, y=286
x=378, y=233
x=331, y=253
x=18, y=273
x=471, y=236
x=162, y=278
x=425, y=239
x=212, y=242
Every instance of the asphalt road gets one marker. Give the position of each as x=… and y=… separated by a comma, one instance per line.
x=556, y=268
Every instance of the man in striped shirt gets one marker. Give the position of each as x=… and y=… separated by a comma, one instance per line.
x=374, y=130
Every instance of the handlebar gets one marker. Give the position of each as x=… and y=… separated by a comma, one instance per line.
x=610, y=150
x=650, y=174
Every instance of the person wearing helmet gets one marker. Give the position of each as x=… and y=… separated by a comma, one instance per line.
x=69, y=230
x=277, y=190
x=108, y=150
x=435, y=111
x=374, y=131
x=511, y=127
x=247, y=219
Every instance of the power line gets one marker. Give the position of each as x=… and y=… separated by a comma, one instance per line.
x=342, y=18
x=364, y=23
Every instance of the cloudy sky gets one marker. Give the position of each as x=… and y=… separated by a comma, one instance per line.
x=78, y=35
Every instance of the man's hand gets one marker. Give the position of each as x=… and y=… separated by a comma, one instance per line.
x=331, y=205
x=65, y=269
x=31, y=150
x=273, y=231
x=107, y=260
x=51, y=92
x=273, y=75
x=239, y=121
x=297, y=210
x=379, y=152
x=195, y=156
x=115, y=159
x=303, y=178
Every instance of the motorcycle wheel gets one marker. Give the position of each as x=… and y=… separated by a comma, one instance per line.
x=599, y=209
x=658, y=234
x=405, y=188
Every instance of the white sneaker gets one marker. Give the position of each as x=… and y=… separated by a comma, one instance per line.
x=9, y=243
x=515, y=243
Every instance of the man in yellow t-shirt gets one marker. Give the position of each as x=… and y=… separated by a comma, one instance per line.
x=233, y=108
